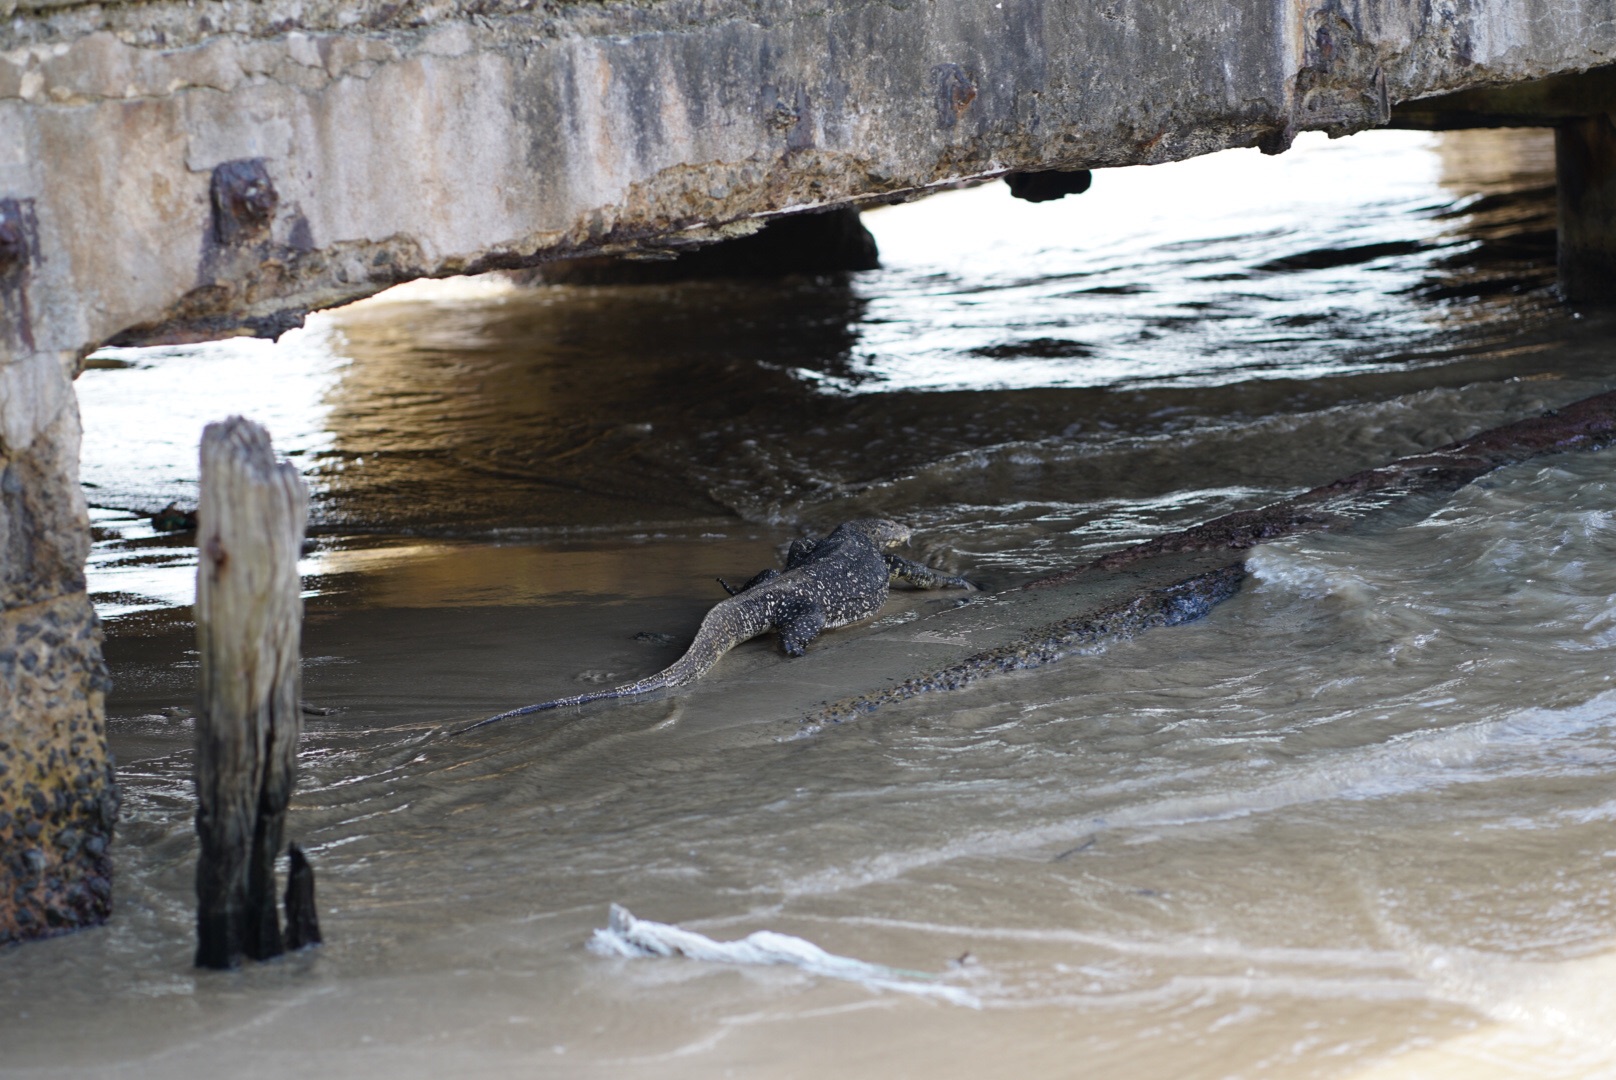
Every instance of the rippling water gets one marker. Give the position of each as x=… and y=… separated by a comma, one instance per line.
x=1357, y=823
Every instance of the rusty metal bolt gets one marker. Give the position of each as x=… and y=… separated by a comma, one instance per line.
x=244, y=200
x=13, y=237
x=1325, y=44
x=955, y=92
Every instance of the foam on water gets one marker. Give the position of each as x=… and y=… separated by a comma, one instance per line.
x=630, y=938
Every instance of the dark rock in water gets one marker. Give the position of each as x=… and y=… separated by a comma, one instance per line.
x=302, y=918
x=172, y=519
x=1043, y=348
x=1048, y=186
x=1332, y=257
x=829, y=242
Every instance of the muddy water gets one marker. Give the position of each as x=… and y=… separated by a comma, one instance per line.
x=1357, y=823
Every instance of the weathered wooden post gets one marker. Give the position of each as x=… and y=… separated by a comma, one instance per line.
x=249, y=613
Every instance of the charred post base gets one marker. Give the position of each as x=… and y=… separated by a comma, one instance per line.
x=302, y=916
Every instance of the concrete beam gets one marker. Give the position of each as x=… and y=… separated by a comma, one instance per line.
x=1536, y=103
x=402, y=140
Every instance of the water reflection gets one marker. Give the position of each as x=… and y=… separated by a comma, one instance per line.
x=455, y=407
x=1009, y=366
x=580, y=407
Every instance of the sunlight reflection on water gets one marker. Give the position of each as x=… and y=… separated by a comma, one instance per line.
x=1004, y=346
x=1157, y=273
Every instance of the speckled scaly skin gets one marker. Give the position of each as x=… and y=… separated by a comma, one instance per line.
x=837, y=581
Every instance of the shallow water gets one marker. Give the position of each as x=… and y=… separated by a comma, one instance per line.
x=1357, y=822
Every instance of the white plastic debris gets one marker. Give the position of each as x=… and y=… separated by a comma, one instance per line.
x=627, y=936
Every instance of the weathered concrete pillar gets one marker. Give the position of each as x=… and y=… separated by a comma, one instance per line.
x=58, y=800
x=1585, y=164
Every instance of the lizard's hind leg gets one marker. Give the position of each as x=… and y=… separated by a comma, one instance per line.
x=798, y=625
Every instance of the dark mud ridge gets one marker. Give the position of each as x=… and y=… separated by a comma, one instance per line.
x=1181, y=576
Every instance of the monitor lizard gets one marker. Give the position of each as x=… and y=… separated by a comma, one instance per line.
x=837, y=581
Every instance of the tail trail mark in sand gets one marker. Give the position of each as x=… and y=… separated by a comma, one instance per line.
x=1088, y=633
x=1589, y=424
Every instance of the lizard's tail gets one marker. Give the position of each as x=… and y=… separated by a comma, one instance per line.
x=726, y=626
x=558, y=703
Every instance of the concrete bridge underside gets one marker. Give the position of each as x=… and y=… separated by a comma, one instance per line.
x=185, y=169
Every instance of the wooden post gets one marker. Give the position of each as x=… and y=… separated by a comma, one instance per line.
x=249, y=613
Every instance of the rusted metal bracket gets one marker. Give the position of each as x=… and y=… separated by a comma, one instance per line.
x=244, y=201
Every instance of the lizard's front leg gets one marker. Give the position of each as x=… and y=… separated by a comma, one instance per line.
x=757, y=579
x=919, y=576
x=798, y=552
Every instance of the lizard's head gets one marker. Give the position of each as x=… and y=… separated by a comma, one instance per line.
x=886, y=534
